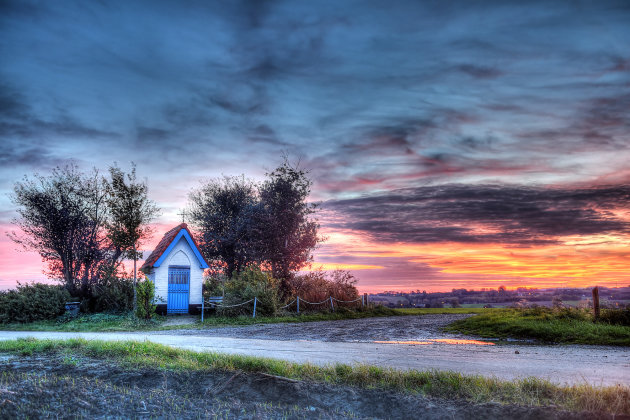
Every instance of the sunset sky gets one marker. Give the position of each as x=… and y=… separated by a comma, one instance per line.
x=451, y=144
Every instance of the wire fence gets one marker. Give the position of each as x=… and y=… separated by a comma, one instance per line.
x=217, y=302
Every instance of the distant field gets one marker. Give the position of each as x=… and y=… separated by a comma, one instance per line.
x=425, y=311
x=546, y=303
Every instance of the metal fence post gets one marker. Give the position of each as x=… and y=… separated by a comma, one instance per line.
x=332, y=308
x=202, y=301
x=254, y=316
x=298, y=304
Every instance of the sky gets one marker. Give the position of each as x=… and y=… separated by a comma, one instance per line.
x=451, y=144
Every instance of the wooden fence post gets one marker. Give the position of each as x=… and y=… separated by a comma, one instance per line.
x=365, y=301
x=332, y=307
x=596, y=302
x=298, y=305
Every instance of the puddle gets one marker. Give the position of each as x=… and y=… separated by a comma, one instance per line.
x=440, y=341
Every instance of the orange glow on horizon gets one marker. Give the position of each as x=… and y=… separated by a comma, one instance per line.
x=575, y=261
x=349, y=267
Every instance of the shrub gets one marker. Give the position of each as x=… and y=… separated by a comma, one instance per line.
x=251, y=282
x=319, y=285
x=214, y=285
x=145, y=295
x=615, y=316
x=34, y=302
x=112, y=293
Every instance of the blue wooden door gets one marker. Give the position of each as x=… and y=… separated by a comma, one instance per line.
x=178, y=288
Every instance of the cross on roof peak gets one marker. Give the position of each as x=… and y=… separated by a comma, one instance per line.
x=183, y=213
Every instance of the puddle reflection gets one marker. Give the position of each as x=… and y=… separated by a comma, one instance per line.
x=440, y=340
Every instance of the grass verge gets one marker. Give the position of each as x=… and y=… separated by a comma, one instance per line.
x=342, y=313
x=567, y=326
x=103, y=322
x=90, y=323
x=447, y=385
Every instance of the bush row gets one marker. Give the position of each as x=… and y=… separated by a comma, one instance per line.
x=314, y=286
x=34, y=302
x=38, y=301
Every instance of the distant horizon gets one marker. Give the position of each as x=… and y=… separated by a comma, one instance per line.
x=450, y=144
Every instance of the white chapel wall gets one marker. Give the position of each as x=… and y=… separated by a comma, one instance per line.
x=181, y=254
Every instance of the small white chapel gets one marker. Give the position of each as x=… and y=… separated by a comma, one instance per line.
x=176, y=268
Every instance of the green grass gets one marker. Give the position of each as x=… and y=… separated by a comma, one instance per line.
x=448, y=385
x=110, y=322
x=90, y=323
x=570, y=326
x=379, y=311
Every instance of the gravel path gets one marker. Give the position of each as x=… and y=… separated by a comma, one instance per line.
x=348, y=330
x=353, y=341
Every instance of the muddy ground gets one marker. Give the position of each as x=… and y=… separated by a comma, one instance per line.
x=60, y=386
x=347, y=330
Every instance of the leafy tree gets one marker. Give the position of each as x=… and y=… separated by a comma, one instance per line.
x=130, y=214
x=223, y=211
x=271, y=224
x=62, y=218
x=82, y=225
x=287, y=233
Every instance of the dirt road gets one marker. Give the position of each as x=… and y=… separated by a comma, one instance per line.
x=598, y=365
x=399, y=328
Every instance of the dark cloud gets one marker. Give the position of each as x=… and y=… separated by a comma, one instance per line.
x=479, y=72
x=596, y=124
x=151, y=135
x=30, y=155
x=514, y=215
x=18, y=121
x=265, y=134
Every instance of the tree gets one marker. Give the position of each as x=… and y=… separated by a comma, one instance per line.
x=131, y=211
x=287, y=233
x=270, y=224
x=223, y=211
x=77, y=224
x=62, y=218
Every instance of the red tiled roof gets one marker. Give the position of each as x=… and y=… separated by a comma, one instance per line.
x=164, y=243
